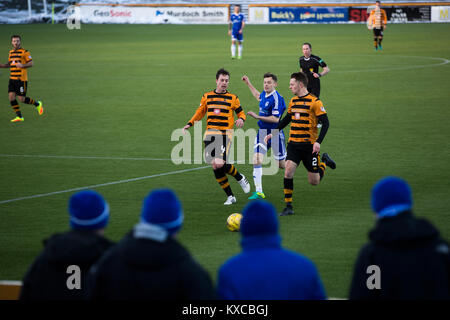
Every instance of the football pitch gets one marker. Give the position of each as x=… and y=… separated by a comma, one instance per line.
x=113, y=95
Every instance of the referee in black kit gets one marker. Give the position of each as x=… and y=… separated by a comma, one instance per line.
x=309, y=65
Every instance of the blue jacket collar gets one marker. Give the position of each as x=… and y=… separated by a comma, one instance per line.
x=261, y=241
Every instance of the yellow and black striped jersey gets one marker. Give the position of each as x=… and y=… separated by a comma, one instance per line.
x=20, y=55
x=378, y=18
x=304, y=112
x=219, y=109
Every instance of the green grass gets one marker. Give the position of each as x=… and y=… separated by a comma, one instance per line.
x=120, y=91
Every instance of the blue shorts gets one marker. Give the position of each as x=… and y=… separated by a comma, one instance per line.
x=237, y=36
x=279, y=151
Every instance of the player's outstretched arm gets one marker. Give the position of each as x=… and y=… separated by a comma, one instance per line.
x=270, y=119
x=253, y=90
x=4, y=65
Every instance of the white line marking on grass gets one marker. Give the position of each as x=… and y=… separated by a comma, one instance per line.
x=102, y=185
x=393, y=68
x=443, y=61
x=79, y=157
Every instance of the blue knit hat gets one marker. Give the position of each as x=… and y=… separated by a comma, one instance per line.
x=391, y=196
x=162, y=208
x=88, y=210
x=259, y=218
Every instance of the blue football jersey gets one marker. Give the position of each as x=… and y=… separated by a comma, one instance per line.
x=236, y=20
x=271, y=104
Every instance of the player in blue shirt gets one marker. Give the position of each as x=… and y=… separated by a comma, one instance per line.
x=235, y=27
x=271, y=108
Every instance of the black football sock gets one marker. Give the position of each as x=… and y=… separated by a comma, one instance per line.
x=230, y=169
x=31, y=101
x=16, y=108
x=288, y=190
x=222, y=179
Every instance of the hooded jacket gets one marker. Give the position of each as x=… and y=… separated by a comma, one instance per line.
x=413, y=260
x=266, y=271
x=47, y=277
x=145, y=269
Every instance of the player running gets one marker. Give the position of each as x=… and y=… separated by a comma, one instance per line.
x=219, y=105
x=305, y=111
x=19, y=61
x=271, y=108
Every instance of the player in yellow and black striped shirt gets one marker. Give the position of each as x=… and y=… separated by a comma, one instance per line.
x=19, y=60
x=305, y=111
x=377, y=21
x=219, y=107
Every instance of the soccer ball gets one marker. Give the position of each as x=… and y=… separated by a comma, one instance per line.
x=234, y=222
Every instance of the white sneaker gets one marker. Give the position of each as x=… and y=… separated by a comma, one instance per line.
x=244, y=184
x=230, y=200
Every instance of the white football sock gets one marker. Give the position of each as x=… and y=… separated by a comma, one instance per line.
x=233, y=50
x=257, y=178
x=240, y=50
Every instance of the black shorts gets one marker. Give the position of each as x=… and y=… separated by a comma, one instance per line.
x=314, y=87
x=378, y=32
x=216, y=146
x=315, y=90
x=17, y=86
x=302, y=152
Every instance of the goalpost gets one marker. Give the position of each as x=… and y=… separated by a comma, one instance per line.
x=44, y=3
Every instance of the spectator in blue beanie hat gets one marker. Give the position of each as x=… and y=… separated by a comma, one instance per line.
x=406, y=259
x=264, y=270
x=149, y=263
x=76, y=250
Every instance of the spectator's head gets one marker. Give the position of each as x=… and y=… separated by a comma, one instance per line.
x=259, y=218
x=391, y=196
x=163, y=209
x=88, y=211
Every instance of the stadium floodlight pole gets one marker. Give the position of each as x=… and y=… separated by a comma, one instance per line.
x=29, y=9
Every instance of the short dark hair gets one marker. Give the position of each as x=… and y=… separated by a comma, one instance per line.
x=222, y=71
x=300, y=77
x=16, y=36
x=307, y=44
x=270, y=75
x=378, y=2
x=238, y=5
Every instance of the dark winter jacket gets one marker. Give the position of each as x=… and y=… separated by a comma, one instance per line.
x=145, y=269
x=47, y=278
x=413, y=261
x=266, y=271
